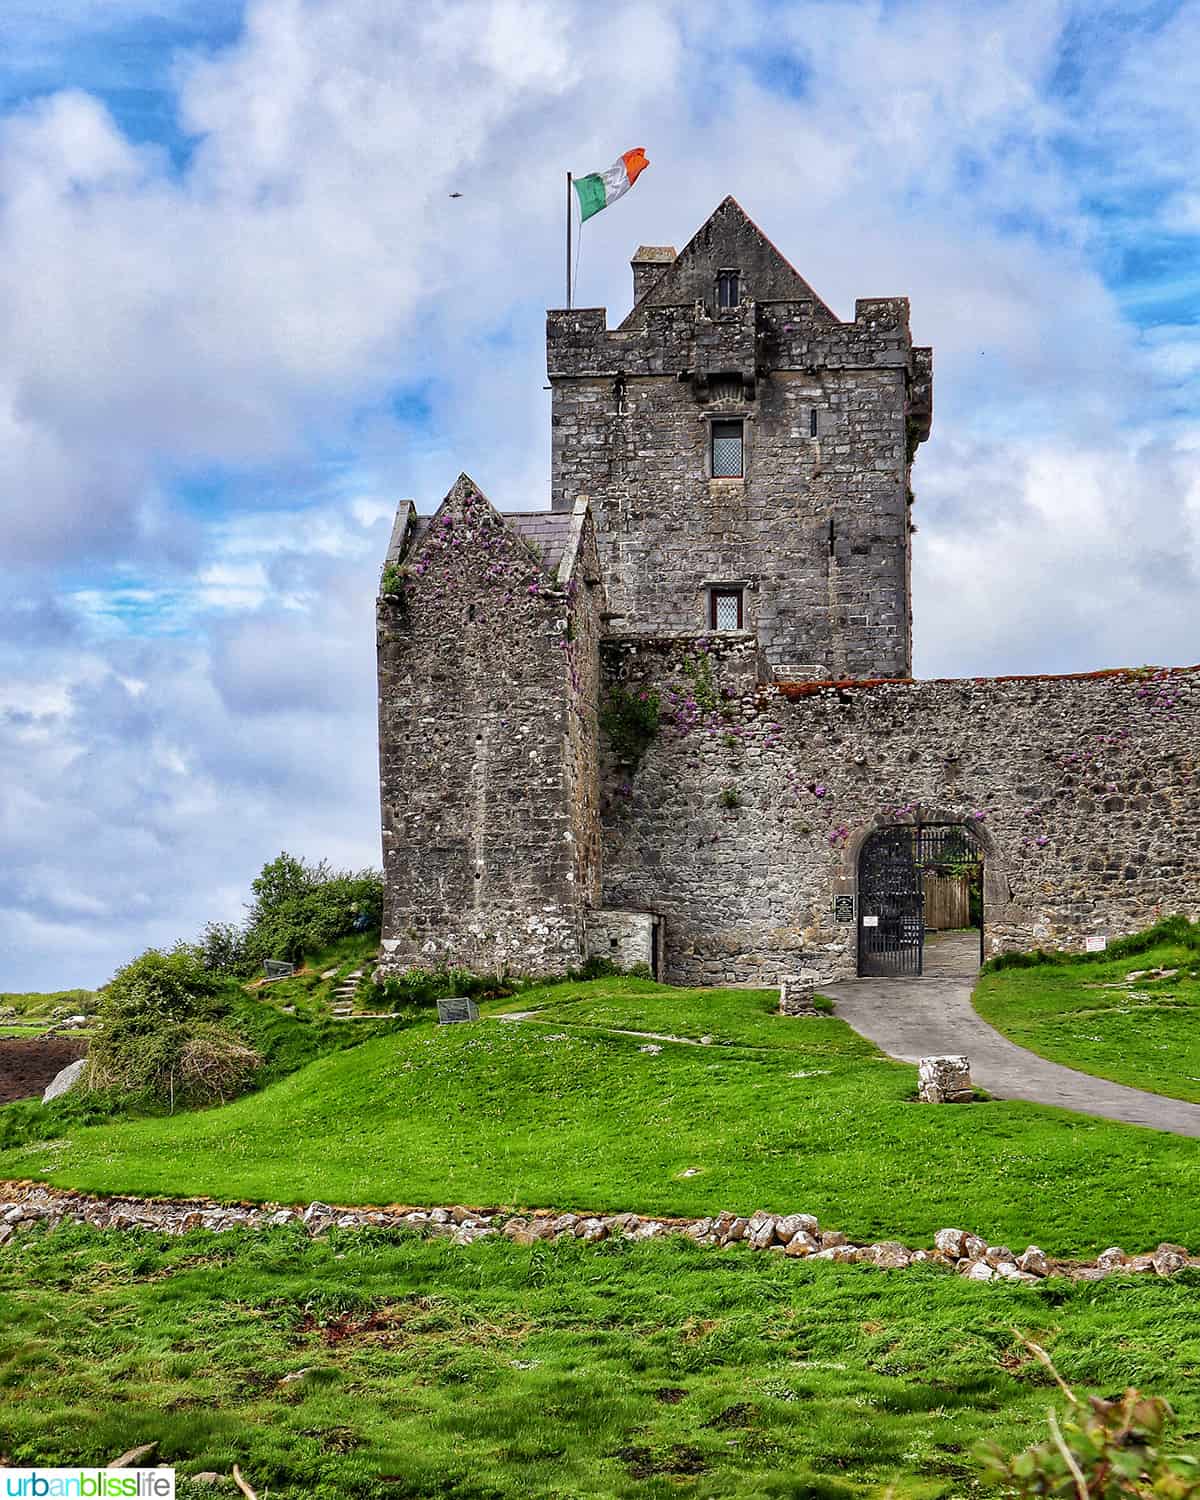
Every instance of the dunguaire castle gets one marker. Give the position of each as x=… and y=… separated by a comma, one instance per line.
x=671, y=719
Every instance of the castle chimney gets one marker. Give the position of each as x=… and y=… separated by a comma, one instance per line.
x=648, y=265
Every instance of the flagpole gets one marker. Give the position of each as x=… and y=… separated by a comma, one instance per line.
x=568, y=239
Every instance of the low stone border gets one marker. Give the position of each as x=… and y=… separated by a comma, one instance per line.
x=796, y=1235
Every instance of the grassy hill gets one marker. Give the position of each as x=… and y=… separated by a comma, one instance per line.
x=563, y=1111
x=1134, y=1018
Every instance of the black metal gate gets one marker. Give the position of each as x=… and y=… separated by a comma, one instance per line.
x=893, y=865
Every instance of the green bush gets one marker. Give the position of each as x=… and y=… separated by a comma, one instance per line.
x=161, y=1032
x=223, y=949
x=1098, y=1450
x=300, y=908
x=425, y=987
x=629, y=721
x=156, y=988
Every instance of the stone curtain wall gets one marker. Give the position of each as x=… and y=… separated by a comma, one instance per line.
x=487, y=746
x=743, y=820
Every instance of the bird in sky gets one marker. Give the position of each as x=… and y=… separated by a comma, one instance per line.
x=456, y=195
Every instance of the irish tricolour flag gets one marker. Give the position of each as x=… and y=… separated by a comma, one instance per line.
x=598, y=189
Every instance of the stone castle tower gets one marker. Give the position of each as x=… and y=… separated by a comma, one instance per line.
x=731, y=465
x=747, y=457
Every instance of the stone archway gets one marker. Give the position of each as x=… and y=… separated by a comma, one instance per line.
x=892, y=864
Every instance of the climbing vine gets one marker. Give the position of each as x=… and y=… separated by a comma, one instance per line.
x=629, y=721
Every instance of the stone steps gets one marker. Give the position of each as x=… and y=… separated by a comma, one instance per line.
x=345, y=993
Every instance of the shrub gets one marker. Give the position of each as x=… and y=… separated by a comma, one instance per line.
x=424, y=987
x=629, y=721
x=158, y=987
x=160, y=1032
x=300, y=908
x=222, y=949
x=1098, y=1450
x=201, y=1062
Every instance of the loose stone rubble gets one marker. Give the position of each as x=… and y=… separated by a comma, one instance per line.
x=796, y=1235
x=944, y=1080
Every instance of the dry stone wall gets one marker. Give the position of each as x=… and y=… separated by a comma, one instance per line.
x=743, y=820
x=25, y=1207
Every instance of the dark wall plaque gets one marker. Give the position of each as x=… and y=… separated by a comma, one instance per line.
x=456, y=1009
x=843, y=908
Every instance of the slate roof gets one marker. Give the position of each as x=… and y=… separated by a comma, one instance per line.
x=549, y=530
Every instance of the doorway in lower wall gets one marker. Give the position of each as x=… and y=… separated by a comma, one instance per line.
x=920, y=901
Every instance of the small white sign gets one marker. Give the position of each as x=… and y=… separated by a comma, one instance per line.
x=870, y=921
x=1096, y=944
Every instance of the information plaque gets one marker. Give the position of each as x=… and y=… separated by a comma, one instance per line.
x=843, y=908
x=456, y=1009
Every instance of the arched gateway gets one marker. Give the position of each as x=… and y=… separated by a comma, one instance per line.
x=915, y=878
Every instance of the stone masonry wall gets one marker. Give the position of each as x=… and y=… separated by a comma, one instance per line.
x=817, y=529
x=745, y=816
x=487, y=750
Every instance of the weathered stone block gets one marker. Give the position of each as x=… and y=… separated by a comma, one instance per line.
x=944, y=1080
x=796, y=995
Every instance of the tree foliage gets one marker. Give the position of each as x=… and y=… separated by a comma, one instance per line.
x=299, y=907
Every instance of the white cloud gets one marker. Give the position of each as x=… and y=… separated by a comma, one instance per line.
x=254, y=311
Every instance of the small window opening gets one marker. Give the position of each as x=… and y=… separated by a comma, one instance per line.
x=470, y=611
x=725, y=609
x=727, y=288
x=727, y=450
x=812, y=422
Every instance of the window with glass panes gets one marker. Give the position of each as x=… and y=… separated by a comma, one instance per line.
x=727, y=289
x=727, y=450
x=725, y=609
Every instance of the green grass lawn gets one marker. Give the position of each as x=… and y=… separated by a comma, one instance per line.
x=33, y=1010
x=1143, y=1032
x=558, y=1370
x=777, y=1113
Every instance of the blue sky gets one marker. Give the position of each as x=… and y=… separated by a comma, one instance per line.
x=244, y=317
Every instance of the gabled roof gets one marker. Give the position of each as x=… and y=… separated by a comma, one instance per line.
x=548, y=530
x=729, y=240
x=554, y=536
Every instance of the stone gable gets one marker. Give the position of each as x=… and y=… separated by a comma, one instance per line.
x=487, y=742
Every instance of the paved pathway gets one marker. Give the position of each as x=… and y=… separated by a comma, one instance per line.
x=914, y=1018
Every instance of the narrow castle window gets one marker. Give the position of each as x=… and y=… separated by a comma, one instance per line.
x=725, y=609
x=727, y=288
x=727, y=450
x=812, y=422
